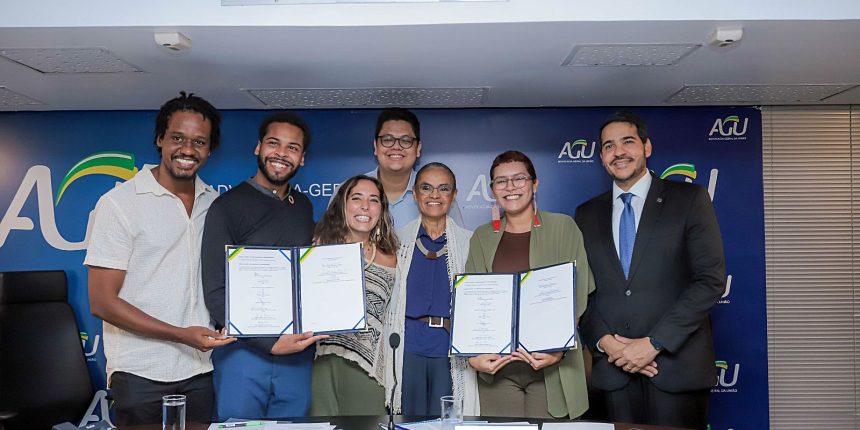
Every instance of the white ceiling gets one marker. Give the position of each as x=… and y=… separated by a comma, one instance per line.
x=513, y=49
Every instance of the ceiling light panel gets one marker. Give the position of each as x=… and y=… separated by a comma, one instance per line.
x=10, y=100
x=69, y=60
x=655, y=54
x=287, y=2
x=370, y=97
x=756, y=94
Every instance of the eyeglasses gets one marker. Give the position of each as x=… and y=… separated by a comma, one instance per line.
x=426, y=189
x=517, y=182
x=388, y=140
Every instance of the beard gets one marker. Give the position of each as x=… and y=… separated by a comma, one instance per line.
x=273, y=178
x=182, y=174
x=635, y=174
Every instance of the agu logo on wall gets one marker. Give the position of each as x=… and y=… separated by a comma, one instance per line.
x=56, y=165
x=38, y=181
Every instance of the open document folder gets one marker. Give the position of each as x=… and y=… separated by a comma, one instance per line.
x=496, y=313
x=273, y=291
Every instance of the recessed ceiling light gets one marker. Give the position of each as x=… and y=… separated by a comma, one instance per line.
x=646, y=54
x=757, y=94
x=370, y=97
x=10, y=100
x=69, y=60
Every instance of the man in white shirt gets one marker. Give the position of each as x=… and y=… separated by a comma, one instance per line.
x=144, y=274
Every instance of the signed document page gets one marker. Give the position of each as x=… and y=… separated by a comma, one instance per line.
x=483, y=314
x=331, y=283
x=547, y=308
x=259, y=288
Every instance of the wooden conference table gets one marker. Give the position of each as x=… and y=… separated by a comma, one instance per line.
x=371, y=422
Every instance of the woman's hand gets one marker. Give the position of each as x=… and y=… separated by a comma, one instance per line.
x=537, y=360
x=489, y=363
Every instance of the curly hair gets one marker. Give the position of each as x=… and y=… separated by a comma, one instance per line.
x=188, y=103
x=332, y=227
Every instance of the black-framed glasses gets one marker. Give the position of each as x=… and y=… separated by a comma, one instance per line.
x=517, y=181
x=388, y=141
x=426, y=189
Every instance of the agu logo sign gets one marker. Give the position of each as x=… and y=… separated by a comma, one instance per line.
x=90, y=352
x=727, y=377
x=38, y=180
x=580, y=151
x=729, y=128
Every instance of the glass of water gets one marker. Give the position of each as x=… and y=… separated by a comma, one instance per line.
x=173, y=412
x=452, y=412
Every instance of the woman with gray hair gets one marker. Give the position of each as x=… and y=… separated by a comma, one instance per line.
x=434, y=249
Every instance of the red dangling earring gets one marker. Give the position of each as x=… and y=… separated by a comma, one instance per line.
x=537, y=218
x=497, y=218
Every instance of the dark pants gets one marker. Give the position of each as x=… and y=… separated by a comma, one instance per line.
x=137, y=400
x=641, y=402
x=425, y=380
x=516, y=390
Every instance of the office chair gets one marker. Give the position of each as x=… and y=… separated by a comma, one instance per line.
x=43, y=370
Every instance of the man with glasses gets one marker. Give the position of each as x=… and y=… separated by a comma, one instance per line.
x=397, y=146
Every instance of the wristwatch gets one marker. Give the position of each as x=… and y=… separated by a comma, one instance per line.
x=657, y=345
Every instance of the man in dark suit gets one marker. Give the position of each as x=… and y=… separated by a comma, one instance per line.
x=655, y=249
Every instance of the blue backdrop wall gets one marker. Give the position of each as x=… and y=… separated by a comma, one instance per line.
x=47, y=194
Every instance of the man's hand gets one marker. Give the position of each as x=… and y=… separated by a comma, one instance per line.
x=637, y=354
x=538, y=360
x=489, y=363
x=293, y=343
x=612, y=348
x=203, y=338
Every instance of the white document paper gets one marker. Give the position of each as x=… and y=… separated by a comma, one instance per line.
x=331, y=279
x=269, y=425
x=547, y=314
x=577, y=425
x=471, y=425
x=259, y=292
x=483, y=314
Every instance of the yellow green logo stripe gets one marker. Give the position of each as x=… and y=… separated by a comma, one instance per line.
x=525, y=276
x=721, y=364
x=235, y=253
x=305, y=255
x=460, y=280
x=733, y=118
x=582, y=142
x=684, y=169
x=116, y=164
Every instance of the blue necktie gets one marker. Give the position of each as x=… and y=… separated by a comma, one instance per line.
x=626, y=233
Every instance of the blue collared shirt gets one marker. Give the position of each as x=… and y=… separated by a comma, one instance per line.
x=428, y=293
x=404, y=209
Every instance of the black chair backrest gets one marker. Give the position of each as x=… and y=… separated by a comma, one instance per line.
x=43, y=370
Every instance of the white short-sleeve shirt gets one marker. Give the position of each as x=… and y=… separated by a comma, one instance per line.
x=143, y=229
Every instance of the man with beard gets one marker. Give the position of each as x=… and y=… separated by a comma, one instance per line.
x=261, y=377
x=655, y=250
x=143, y=259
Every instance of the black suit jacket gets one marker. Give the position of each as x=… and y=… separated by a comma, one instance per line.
x=677, y=274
